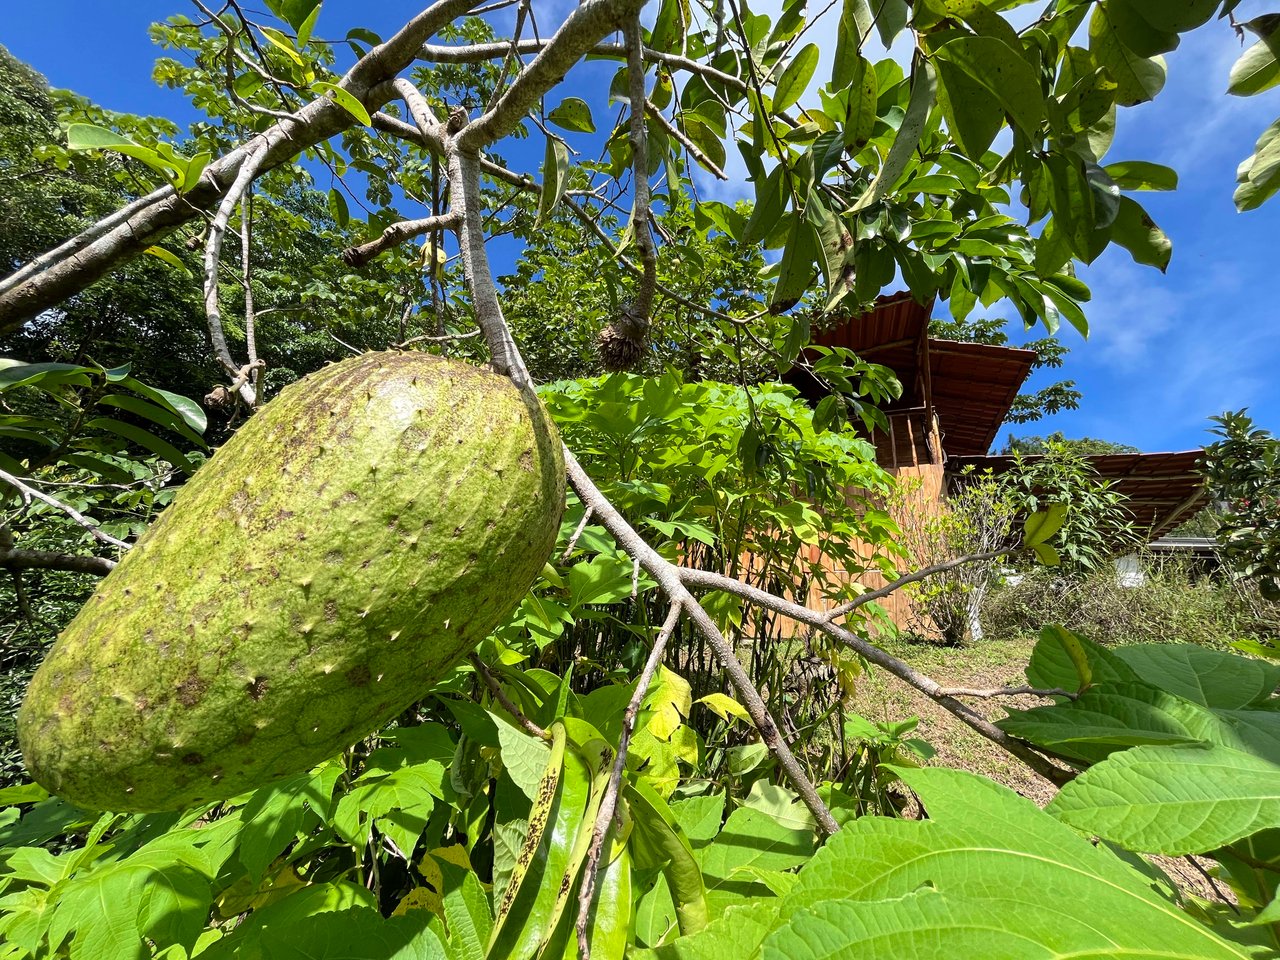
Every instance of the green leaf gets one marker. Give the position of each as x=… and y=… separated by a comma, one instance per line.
x=1134, y=230
x=294, y=12
x=1063, y=659
x=156, y=414
x=399, y=803
x=924, y=85
x=987, y=875
x=338, y=207
x=1259, y=175
x=273, y=815
x=1141, y=175
x=345, y=100
x=195, y=168
x=973, y=115
x=1046, y=554
x=771, y=201
x=281, y=42
x=466, y=911
x=188, y=409
x=144, y=439
x=658, y=840
x=1213, y=678
x=169, y=257
x=23, y=793
x=1137, y=78
x=294, y=914
x=87, y=136
x=860, y=112
x=753, y=838
x=1173, y=800
x=555, y=176
x=795, y=78
x=1111, y=716
x=1175, y=16
x=573, y=114
x=1005, y=74
x=1042, y=525
x=796, y=271
x=1258, y=68
x=355, y=934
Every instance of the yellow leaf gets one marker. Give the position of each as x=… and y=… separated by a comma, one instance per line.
x=419, y=898
x=725, y=707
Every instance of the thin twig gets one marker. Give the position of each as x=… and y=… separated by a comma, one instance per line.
x=30, y=493
x=442, y=338
x=987, y=693
x=213, y=253
x=250, y=317
x=500, y=695
x=677, y=134
x=922, y=574
x=869, y=651
x=609, y=803
x=573, y=540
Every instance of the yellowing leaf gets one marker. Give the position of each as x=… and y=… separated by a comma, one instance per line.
x=345, y=100
x=725, y=707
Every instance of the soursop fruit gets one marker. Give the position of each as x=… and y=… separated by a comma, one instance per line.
x=356, y=538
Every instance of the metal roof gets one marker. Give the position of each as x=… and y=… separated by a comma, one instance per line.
x=970, y=386
x=1163, y=488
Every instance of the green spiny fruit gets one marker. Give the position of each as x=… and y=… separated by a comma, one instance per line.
x=364, y=531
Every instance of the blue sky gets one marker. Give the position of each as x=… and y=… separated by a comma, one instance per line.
x=1166, y=351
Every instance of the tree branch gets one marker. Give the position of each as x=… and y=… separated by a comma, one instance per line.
x=397, y=234
x=669, y=578
x=922, y=574
x=609, y=802
x=80, y=261
x=642, y=309
x=581, y=31
x=675, y=133
x=868, y=651
x=17, y=559
x=501, y=696
x=29, y=493
x=465, y=196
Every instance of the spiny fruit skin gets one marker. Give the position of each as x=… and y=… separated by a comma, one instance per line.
x=364, y=531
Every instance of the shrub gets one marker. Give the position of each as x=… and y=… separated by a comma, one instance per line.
x=1173, y=603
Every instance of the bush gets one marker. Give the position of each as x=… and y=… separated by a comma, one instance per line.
x=1173, y=604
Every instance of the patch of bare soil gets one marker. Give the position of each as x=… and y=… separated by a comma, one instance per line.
x=883, y=697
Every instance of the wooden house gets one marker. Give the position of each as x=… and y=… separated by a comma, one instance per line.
x=955, y=397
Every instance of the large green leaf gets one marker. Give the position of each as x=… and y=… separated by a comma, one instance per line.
x=573, y=114
x=1259, y=175
x=1173, y=800
x=989, y=875
x=1134, y=230
x=1258, y=68
x=1210, y=677
x=1137, y=78
x=972, y=113
x=795, y=78
x=924, y=88
x=1005, y=74
x=1176, y=15
x=1067, y=661
x=753, y=838
x=1115, y=715
x=555, y=176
